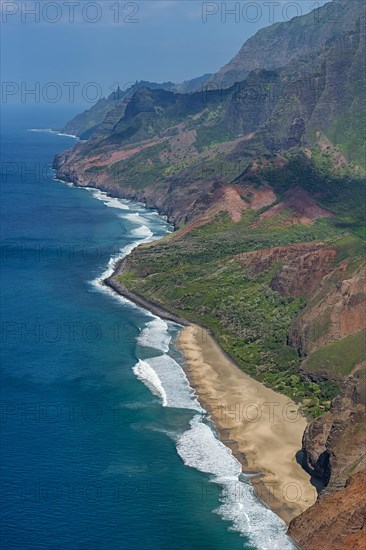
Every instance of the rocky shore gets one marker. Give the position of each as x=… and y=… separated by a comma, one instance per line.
x=116, y=285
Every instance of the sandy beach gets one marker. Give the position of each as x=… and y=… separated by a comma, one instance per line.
x=263, y=428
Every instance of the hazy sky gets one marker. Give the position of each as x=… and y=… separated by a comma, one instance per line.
x=105, y=42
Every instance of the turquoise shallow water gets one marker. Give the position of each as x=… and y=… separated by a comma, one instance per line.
x=104, y=445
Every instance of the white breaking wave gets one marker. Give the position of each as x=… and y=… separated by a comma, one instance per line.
x=66, y=135
x=148, y=376
x=199, y=448
x=50, y=131
x=68, y=183
x=155, y=335
x=142, y=231
x=112, y=264
x=115, y=203
x=172, y=379
x=108, y=201
x=125, y=251
x=178, y=392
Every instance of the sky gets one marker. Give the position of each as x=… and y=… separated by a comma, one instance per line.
x=77, y=51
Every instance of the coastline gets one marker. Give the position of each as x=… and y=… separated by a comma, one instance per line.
x=262, y=428
x=119, y=288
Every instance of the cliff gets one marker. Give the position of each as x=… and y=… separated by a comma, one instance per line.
x=266, y=187
x=173, y=150
x=336, y=520
x=275, y=46
x=89, y=123
x=334, y=453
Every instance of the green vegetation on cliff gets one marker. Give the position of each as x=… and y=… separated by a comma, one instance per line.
x=201, y=276
x=341, y=356
x=290, y=135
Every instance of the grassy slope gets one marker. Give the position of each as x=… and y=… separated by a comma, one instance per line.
x=340, y=356
x=200, y=277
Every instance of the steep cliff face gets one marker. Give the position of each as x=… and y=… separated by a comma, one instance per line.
x=336, y=521
x=160, y=146
x=88, y=123
x=300, y=254
x=299, y=276
x=277, y=45
x=336, y=310
x=334, y=452
x=270, y=49
x=334, y=445
x=307, y=96
x=265, y=184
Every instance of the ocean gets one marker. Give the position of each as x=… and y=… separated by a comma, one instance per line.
x=104, y=444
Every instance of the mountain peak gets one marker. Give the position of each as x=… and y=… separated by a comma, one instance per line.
x=277, y=45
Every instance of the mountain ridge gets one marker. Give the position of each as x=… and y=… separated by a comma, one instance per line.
x=257, y=52
x=275, y=46
x=86, y=123
x=265, y=184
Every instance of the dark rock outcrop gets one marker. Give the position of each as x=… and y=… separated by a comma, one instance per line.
x=336, y=521
x=334, y=445
x=334, y=452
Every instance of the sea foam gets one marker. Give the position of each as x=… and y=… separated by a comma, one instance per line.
x=50, y=131
x=148, y=376
x=178, y=392
x=142, y=232
x=200, y=449
x=107, y=200
x=155, y=335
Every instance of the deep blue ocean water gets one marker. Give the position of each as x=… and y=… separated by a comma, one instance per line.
x=104, y=445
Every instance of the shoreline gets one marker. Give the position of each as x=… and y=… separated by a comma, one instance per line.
x=261, y=427
x=263, y=490
x=119, y=288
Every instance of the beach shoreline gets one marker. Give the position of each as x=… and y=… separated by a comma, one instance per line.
x=261, y=427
